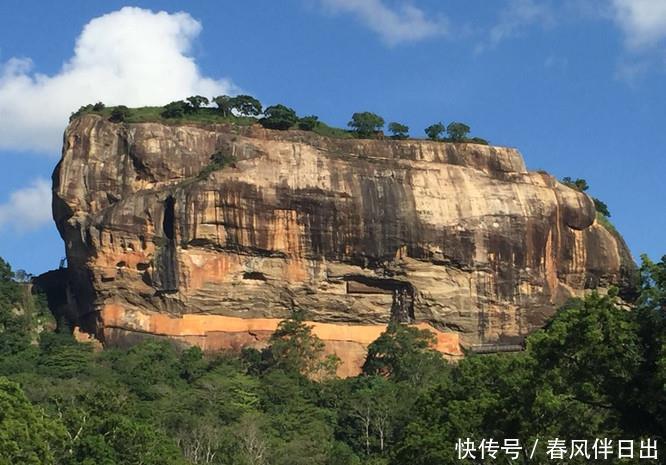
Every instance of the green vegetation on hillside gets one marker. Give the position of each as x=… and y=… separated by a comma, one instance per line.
x=154, y=114
x=218, y=161
x=595, y=370
x=245, y=110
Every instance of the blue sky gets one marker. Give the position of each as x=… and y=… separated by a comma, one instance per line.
x=577, y=86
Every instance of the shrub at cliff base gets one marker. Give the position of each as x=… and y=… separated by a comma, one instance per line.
x=27, y=436
x=218, y=161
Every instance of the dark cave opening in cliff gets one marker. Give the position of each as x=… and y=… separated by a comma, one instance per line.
x=254, y=275
x=165, y=278
x=168, y=223
x=402, y=307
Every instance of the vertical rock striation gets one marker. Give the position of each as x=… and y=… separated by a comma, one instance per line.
x=459, y=238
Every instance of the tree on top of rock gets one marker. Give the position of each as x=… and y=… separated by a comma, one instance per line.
x=457, y=131
x=197, y=101
x=224, y=104
x=578, y=184
x=278, y=117
x=246, y=105
x=435, y=131
x=308, y=123
x=581, y=185
x=365, y=124
x=243, y=105
x=399, y=131
x=119, y=114
x=176, y=109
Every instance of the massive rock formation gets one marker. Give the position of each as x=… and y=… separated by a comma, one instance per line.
x=459, y=238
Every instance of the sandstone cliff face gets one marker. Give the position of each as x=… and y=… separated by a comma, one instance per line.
x=459, y=238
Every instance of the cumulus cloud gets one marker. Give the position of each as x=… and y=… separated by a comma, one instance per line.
x=642, y=21
x=406, y=23
x=28, y=208
x=132, y=56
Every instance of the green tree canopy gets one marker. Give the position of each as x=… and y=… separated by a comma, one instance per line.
x=278, y=117
x=308, y=123
x=246, y=105
x=578, y=184
x=119, y=114
x=295, y=349
x=581, y=185
x=590, y=350
x=6, y=273
x=197, y=101
x=365, y=124
x=648, y=403
x=398, y=130
x=403, y=353
x=224, y=104
x=14, y=321
x=176, y=109
x=435, y=131
x=27, y=435
x=595, y=370
x=457, y=131
x=584, y=375
x=150, y=368
x=601, y=207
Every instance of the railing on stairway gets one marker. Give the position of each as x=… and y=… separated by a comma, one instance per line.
x=495, y=348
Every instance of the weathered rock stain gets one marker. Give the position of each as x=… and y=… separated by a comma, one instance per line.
x=458, y=238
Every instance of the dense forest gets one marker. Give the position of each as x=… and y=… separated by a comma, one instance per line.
x=597, y=370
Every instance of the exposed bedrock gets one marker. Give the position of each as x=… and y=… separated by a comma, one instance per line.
x=459, y=238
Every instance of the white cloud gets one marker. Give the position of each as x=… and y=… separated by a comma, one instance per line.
x=515, y=16
x=28, y=208
x=406, y=23
x=132, y=56
x=642, y=21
